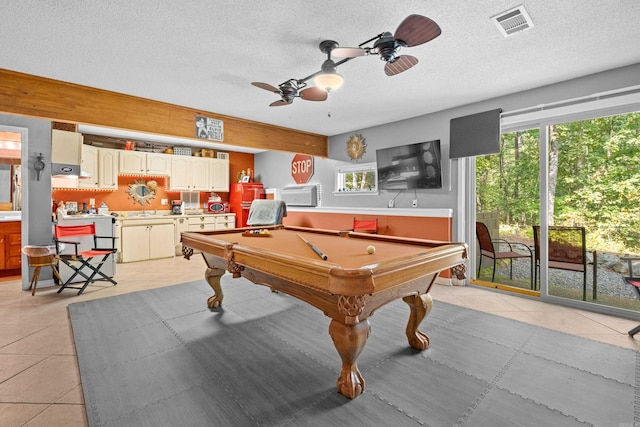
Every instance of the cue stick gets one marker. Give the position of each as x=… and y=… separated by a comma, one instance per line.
x=316, y=250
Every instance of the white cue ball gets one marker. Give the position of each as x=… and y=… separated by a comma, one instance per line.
x=371, y=249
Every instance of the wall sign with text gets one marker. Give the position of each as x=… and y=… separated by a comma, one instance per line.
x=208, y=128
x=302, y=168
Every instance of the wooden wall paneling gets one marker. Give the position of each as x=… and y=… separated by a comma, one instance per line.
x=30, y=95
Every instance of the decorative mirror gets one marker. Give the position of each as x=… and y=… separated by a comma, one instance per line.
x=356, y=146
x=142, y=192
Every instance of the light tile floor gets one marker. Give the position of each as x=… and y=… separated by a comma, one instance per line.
x=39, y=376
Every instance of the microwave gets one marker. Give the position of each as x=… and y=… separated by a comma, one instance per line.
x=217, y=207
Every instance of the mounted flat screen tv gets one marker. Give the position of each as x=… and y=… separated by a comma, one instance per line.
x=408, y=167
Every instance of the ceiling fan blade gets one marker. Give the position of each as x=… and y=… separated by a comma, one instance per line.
x=266, y=86
x=278, y=103
x=417, y=29
x=348, y=52
x=313, y=94
x=400, y=64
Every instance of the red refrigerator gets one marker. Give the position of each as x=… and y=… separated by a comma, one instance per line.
x=241, y=194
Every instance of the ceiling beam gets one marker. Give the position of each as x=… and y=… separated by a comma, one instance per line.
x=29, y=95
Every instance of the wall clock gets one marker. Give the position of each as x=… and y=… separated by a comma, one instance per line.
x=356, y=146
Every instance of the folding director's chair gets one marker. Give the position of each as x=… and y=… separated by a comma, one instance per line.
x=82, y=260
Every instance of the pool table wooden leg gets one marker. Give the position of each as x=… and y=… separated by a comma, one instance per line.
x=420, y=306
x=212, y=276
x=350, y=341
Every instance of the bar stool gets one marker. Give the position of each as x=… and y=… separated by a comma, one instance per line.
x=40, y=256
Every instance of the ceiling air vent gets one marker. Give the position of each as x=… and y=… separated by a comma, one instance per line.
x=513, y=21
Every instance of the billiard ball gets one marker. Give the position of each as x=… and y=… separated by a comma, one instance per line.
x=371, y=249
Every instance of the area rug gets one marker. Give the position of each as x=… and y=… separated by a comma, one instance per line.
x=162, y=358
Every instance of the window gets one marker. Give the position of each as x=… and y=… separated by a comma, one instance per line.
x=357, y=179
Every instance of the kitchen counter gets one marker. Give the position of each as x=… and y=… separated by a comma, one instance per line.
x=6, y=216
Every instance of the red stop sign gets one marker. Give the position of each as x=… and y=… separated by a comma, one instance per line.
x=302, y=168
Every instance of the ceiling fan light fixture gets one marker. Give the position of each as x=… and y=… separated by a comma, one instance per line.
x=329, y=82
x=329, y=79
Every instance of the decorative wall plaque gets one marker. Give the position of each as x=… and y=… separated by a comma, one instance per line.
x=356, y=146
x=208, y=128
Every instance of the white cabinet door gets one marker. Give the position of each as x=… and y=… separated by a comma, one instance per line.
x=89, y=164
x=135, y=243
x=219, y=174
x=158, y=164
x=108, y=168
x=180, y=179
x=133, y=162
x=200, y=174
x=161, y=241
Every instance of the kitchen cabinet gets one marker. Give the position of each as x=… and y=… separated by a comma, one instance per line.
x=201, y=223
x=132, y=162
x=147, y=239
x=137, y=242
x=219, y=175
x=89, y=164
x=102, y=166
x=141, y=163
x=10, y=245
x=211, y=222
x=108, y=168
x=159, y=164
x=189, y=174
x=225, y=221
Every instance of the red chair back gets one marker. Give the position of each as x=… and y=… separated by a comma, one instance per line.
x=365, y=225
x=62, y=231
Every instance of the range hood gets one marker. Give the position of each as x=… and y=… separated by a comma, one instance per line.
x=66, y=155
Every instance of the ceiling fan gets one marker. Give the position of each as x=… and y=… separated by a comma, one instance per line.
x=292, y=89
x=413, y=31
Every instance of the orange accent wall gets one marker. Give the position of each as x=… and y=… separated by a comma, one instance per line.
x=430, y=228
x=119, y=200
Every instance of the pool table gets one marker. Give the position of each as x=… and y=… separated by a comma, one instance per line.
x=348, y=286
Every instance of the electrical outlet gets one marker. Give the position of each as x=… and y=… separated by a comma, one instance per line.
x=414, y=203
x=390, y=203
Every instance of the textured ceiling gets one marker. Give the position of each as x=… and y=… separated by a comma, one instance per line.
x=205, y=54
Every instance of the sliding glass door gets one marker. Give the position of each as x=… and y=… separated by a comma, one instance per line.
x=587, y=223
x=507, y=203
x=594, y=208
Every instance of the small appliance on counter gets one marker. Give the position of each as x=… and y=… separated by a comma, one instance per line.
x=176, y=207
x=216, y=205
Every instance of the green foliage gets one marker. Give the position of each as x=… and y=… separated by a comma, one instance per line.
x=598, y=180
x=360, y=180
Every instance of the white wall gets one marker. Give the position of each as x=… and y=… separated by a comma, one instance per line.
x=274, y=168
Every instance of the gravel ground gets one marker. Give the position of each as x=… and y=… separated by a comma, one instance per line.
x=609, y=282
